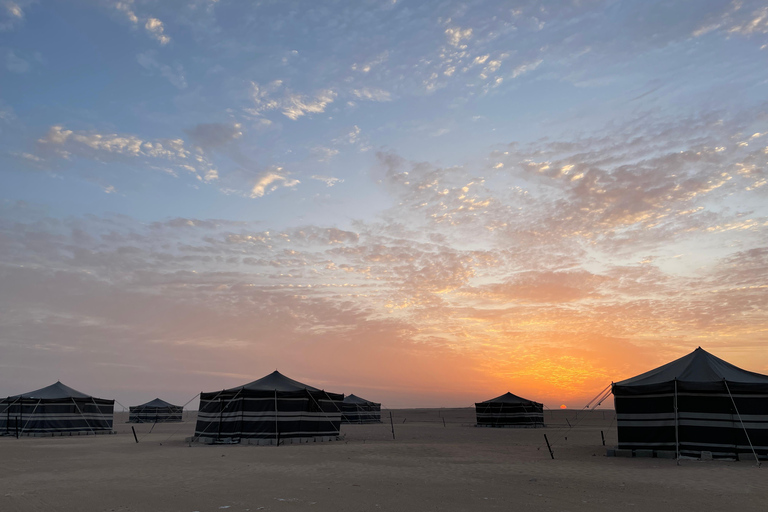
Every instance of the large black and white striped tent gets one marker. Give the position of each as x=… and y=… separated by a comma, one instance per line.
x=272, y=410
x=360, y=410
x=55, y=410
x=155, y=411
x=698, y=403
x=509, y=410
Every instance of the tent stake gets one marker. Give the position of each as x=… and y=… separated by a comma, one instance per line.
x=603, y=436
x=392, y=422
x=549, y=447
x=134, y=434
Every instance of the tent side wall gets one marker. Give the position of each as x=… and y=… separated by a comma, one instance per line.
x=55, y=416
x=361, y=413
x=706, y=420
x=232, y=416
x=496, y=414
x=139, y=414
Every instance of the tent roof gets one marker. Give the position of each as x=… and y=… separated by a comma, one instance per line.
x=354, y=399
x=54, y=391
x=157, y=403
x=699, y=366
x=508, y=398
x=274, y=381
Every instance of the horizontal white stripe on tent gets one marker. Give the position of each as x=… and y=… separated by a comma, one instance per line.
x=723, y=424
x=61, y=417
x=719, y=416
x=264, y=416
x=511, y=415
x=650, y=423
x=692, y=393
x=693, y=423
x=332, y=433
x=743, y=447
x=639, y=416
x=623, y=444
x=271, y=399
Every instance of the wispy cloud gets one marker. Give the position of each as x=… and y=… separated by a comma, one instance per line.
x=270, y=181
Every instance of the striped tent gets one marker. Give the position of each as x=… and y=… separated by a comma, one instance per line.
x=55, y=410
x=271, y=410
x=155, y=411
x=698, y=403
x=360, y=410
x=509, y=410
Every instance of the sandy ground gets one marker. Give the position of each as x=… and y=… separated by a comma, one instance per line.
x=428, y=466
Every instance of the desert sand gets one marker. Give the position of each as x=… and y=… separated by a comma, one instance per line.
x=430, y=465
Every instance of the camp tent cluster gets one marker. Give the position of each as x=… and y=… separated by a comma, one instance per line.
x=695, y=405
x=698, y=403
x=55, y=410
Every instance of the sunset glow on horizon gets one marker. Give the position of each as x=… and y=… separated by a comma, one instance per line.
x=421, y=203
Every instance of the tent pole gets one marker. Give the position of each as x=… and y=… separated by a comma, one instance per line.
x=742, y=425
x=677, y=435
x=277, y=430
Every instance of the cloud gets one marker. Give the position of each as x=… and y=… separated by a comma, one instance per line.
x=372, y=94
x=11, y=14
x=295, y=106
x=292, y=105
x=328, y=180
x=152, y=25
x=214, y=135
x=323, y=154
x=63, y=145
x=155, y=27
x=174, y=74
x=271, y=181
x=456, y=35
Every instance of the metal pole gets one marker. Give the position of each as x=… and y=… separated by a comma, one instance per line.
x=277, y=430
x=134, y=434
x=603, y=436
x=549, y=447
x=677, y=435
x=392, y=422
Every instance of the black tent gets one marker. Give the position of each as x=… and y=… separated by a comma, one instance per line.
x=273, y=409
x=55, y=410
x=509, y=410
x=360, y=410
x=155, y=411
x=698, y=403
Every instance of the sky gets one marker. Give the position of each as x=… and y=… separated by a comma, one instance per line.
x=424, y=203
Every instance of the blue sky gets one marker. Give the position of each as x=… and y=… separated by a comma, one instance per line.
x=483, y=193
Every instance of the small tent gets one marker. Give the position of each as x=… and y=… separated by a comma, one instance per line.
x=155, y=411
x=272, y=410
x=698, y=403
x=55, y=410
x=509, y=410
x=360, y=410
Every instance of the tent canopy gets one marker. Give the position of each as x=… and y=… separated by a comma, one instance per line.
x=53, y=392
x=509, y=398
x=155, y=403
x=354, y=399
x=698, y=370
x=273, y=381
